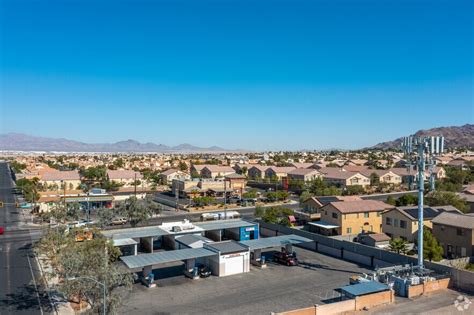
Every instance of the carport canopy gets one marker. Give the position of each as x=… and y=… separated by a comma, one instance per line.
x=270, y=242
x=324, y=225
x=124, y=242
x=144, y=260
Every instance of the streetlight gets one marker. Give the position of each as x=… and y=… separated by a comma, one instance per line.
x=98, y=282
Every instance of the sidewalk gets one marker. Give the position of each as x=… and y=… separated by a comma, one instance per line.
x=58, y=302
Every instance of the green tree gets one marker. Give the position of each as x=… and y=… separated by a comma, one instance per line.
x=407, y=200
x=135, y=210
x=277, y=215
x=354, y=190
x=94, y=259
x=106, y=215
x=391, y=201
x=183, y=166
x=251, y=194
x=374, y=179
x=398, y=245
x=443, y=198
x=259, y=211
x=305, y=195
x=431, y=247
x=17, y=167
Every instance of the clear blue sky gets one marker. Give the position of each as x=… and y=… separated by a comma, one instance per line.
x=239, y=74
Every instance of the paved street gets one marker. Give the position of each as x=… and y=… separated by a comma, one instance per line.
x=261, y=291
x=20, y=285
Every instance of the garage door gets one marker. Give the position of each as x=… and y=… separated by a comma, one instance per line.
x=234, y=265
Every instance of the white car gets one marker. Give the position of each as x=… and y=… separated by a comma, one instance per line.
x=119, y=221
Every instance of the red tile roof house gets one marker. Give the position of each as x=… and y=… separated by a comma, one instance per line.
x=257, y=171
x=279, y=172
x=125, y=177
x=304, y=174
x=342, y=178
x=168, y=175
x=213, y=171
x=56, y=179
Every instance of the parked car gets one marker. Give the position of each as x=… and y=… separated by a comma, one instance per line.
x=2, y=230
x=285, y=258
x=119, y=221
x=203, y=271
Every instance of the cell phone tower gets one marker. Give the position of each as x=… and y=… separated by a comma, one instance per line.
x=421, y=152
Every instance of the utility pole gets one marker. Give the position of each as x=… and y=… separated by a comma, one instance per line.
x=225, y=199
x=135, y=184
x=176, y=196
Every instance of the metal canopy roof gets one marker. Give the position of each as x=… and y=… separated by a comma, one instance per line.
x=224, y=224
x=324, y=225
x=165, y=257
x=270, y=242
x=364, y=288
x=147, y=231
x=124, y=242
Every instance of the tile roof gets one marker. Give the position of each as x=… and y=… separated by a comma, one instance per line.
x=281, y=169
x=123, y=174
x=379, y=237
x=61, y=175
x=456, y=220
x=337, y=173
x=360, y=206
x=303, y=171
x=219, y=168
x=169, y=172
x=302, y=165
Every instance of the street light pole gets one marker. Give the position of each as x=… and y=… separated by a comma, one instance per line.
x=104, y=308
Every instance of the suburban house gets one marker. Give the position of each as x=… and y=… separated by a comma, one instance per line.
x=402, y=222
x=313, y=204
x=351, y=217
x=257, y=171
x=213, y=171
x=57, y=179
x=383, y=176
x=455, y=232
x=197, y=168
x=439, y=172
x=168, y=176
x=125, y=177
x=303, y=174
x=408, y=175
x=359, y=162
x=386, y=176
x=468, y=195
x=342, y=178
x=278, y=171
x=302, y=165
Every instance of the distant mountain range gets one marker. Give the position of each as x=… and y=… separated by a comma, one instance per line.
x=455, y=137
x=22, y=142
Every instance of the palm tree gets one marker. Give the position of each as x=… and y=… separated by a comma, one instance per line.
x=398, y=245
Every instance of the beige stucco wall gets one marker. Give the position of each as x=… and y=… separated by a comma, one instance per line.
x=355, y=221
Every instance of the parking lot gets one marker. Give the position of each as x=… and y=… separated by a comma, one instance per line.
x=260, y=291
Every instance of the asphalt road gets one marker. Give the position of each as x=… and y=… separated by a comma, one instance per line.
x=20, y=280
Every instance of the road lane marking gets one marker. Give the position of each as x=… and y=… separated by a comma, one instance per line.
x=36, y=287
